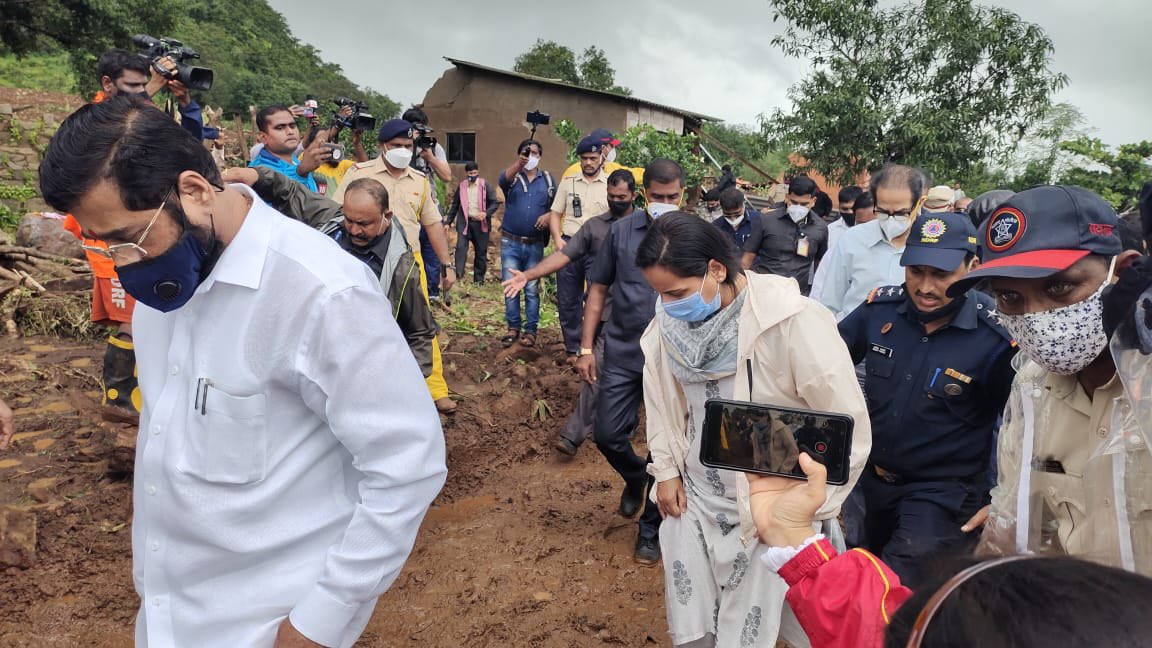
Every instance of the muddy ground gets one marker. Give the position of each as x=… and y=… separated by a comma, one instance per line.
x=520, y=549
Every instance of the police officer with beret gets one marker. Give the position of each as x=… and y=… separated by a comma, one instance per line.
x=938, y=373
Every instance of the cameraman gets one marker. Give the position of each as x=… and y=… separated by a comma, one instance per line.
x=427, y=158
x=432, y=161
x=122, y=72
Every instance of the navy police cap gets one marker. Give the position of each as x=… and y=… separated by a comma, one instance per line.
x=940, y=240
x=1042, y=231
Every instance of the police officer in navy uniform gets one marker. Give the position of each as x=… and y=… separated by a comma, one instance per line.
x=938, y=373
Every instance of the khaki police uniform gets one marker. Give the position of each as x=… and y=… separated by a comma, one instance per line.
x=413, y=203
x=593, y=200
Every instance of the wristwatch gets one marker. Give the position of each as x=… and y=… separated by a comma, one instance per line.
x=448, y=266
x=583, y=352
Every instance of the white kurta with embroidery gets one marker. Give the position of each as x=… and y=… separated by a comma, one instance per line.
x=288, y=447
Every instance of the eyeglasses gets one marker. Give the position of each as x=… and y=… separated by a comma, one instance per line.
x=127, y=253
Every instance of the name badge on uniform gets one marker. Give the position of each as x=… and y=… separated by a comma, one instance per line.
x=802, y=247
x=882, y=350
x=952, y=373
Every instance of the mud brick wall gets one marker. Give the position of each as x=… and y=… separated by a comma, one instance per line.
x=24, y=135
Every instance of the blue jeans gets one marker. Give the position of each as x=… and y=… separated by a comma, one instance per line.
x=431, y=264
x=515, y=255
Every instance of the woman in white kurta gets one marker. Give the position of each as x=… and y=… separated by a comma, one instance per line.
x=720, y=334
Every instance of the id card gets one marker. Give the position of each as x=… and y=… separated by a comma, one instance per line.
x=802, y=247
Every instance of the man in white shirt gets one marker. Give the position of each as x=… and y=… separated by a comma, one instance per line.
x=867, y=256
x=288, y=447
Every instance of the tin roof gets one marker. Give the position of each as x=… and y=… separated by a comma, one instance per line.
x=614, y=95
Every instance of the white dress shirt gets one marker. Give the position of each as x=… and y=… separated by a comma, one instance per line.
x=288, y=447
x=835, y=229
x=862, y=260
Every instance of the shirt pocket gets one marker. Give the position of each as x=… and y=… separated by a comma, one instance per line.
x=957, y=396
x=228, y=444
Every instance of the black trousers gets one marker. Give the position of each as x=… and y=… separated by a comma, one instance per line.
x=617, y=415
x=571, y=291
x=907, y=524
x=473, y=232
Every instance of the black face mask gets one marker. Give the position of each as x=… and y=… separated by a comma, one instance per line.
x=619, y=207
x=849, y=217
x=931, y=316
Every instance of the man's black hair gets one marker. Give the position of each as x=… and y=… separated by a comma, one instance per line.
x=529, y=142
x=415, y=115
x=863, y=201
x=127, y=141
x=803, y=186
x=848, y=194
x=622, y=176
x=1033, y=603
x=115, y=62
x=823, y=205
x=731, y=198
x=471, y=166
x=684, y=243
x=664, y=171
x=264, y=114
x=372, y=187
x=896, y=175
x=1129, y=233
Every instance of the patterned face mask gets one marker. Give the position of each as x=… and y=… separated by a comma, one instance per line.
x=1063, y=340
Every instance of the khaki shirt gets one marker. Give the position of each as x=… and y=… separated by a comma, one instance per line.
x=1088, y=477
x=593, y=200
x=411, y=197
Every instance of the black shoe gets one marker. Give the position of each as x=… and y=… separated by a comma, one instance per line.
x=565, y=447
x=647, y=551
x=631, y=499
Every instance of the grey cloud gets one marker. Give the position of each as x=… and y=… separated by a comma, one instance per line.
x=714, y=58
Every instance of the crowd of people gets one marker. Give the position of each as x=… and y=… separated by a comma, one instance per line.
x=259, y=310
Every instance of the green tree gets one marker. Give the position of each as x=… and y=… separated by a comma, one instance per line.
x=942, y=84
x=597, y=73
x=255, y=57
x=82, y=28
x=552, y=60
x=748, y=144
x=641, y=143
x=1116, y=175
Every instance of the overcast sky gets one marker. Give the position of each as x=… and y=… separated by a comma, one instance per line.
x=695, y=56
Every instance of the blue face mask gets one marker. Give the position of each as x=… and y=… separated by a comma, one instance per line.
x=693, y=308
x=168, y=281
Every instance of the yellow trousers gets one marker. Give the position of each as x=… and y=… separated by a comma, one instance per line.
x=435, y=380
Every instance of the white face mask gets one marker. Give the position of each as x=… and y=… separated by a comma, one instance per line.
x=611, y=157
x=532, y=163
x=1063, y=340
x=656, y=210
x=894, y=226
x=399, y=158
x=797, y=213
x=735, y=221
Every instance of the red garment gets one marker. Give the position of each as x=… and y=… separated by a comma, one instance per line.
x=842, y=600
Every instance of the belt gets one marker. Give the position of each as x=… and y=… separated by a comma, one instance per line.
x=886, y=476
x=527, y=240
x=890, y=477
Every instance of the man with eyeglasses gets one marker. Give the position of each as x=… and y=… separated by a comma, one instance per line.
x=278, y=490
x=788, y=240
x=868, y=256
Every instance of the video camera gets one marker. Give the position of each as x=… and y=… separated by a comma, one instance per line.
x=359, y=120
x=423, y=139
x=196, y=78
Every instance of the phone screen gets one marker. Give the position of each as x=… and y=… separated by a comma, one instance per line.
x=768, y=440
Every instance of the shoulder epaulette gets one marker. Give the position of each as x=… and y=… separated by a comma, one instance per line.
x=986, y=314
x=885, y=294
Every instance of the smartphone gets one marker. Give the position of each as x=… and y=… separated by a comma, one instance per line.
x=767, y=440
